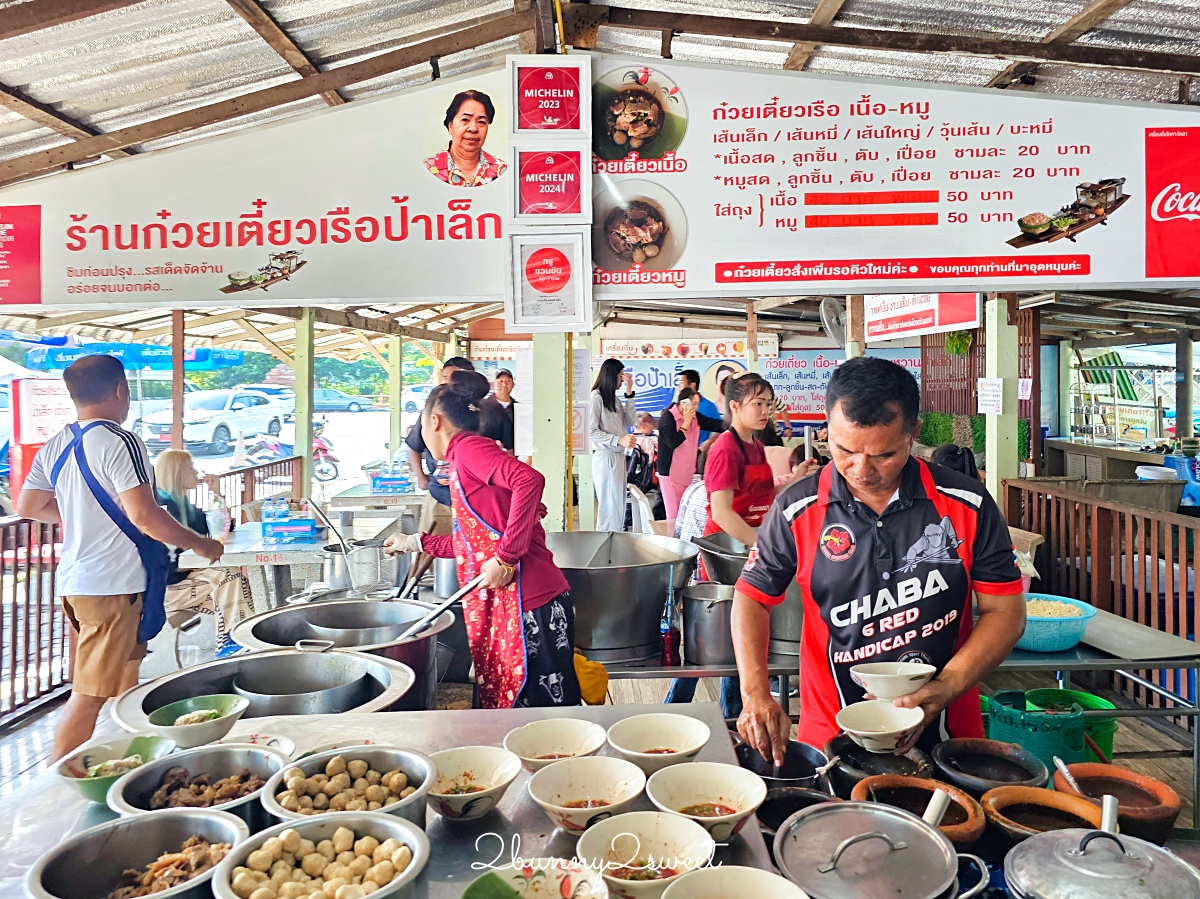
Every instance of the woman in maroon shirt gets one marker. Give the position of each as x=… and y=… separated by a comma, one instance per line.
x=521, y=620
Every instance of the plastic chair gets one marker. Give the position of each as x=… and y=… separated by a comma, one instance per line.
x=642, y=513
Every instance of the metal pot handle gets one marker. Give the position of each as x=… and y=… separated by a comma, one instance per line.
x=1099, y=835
x=314, y=645
x=984, y=875
x=858, y=838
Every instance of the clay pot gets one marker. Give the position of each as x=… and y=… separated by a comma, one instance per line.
x=978, y=766
x=1147, y=808
x=963, y=822
x=855, y=764
x=1017, y=813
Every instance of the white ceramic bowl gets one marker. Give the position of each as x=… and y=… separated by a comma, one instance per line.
x=878, y=726
x=550, y=878
x=647, y=840
x=489, y=767
x=614, y=781
x=674, y=789
x=272, y=741
x=891, y=680
x=732, y=882
x=636, y=739
x=569, y=737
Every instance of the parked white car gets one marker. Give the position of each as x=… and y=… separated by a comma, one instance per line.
x=150, y=393
x=284, y=396
x=413, y=398
x=212, y=420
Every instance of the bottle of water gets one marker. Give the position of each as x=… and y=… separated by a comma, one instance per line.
x=268, y=518
x=283, y=516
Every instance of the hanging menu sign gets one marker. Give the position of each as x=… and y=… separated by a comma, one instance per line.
x=891, y=315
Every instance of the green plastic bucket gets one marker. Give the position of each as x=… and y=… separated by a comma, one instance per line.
x=984, y=710
x=1102, y=730
x=1046, y=735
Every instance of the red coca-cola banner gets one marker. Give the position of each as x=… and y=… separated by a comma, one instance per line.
x=1173, y=202
x=20, y=254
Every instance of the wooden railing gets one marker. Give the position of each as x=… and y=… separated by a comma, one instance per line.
x=243, y=486
x=1137, y=563
x=34, y=651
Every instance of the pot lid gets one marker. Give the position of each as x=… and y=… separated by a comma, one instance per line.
x=864, y=850
x=1092, y=864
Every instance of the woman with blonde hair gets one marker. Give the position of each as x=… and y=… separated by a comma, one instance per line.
x=221, y=592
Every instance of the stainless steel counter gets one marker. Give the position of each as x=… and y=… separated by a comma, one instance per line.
x=42, y=813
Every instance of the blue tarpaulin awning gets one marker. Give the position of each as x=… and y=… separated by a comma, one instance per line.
x=135, y=356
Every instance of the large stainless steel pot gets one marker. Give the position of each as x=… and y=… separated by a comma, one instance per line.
x=130, y=795
x=707, y=635
x=359, y=621
x=724, y=557
x=391, y=681
x=92, y=863
x=445, y=578
x=288, y=690
x=620, y=584
x=393, y=569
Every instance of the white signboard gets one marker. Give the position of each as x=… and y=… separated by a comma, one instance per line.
x=1024, y=388
x=42, y=408
x=991, y=396
x=501, y=350
x=720, y=346
x=892, y=315
x=549, y=290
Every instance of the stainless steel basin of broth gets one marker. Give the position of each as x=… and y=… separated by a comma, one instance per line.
x=620, y=583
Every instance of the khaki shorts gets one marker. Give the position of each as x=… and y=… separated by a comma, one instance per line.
x=107, y=628
x=436, y=519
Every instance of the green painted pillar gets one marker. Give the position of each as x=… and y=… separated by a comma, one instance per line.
x=551, y=426
x=583, y=462
x=1065, y=396
x=303, y=359
x=1001, y=362
x=395, y=372
x=1184, y=423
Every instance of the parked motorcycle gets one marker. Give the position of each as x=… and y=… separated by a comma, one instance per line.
x=266, y=448
x=324, y=461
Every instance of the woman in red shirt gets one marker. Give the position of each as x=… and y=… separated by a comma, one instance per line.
x=521, y=620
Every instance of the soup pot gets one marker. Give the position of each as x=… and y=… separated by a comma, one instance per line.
x=445, y=578
x=854, y=764
x=963, y=822
x=803, y=765
x=781, y=803
x=1093, y=864
x=707, y=634
x=1147, y=808
x=981, y=765
x=865, y=850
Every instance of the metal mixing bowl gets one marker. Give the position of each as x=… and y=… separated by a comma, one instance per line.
x=420, y=768
x=322, y=827
x=130, y=796
x=91, y=863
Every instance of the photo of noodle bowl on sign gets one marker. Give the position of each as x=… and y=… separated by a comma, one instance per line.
x=637, y=112
x=636, y=224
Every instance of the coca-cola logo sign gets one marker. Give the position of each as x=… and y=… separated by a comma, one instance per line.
x=1173, y=202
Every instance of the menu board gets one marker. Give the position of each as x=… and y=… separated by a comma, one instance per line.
x=724, y=181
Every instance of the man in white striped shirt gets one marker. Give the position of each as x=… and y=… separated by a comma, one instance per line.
x=101, y=578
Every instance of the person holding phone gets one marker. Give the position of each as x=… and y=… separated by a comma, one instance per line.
x=679, y=430
x=611, y=419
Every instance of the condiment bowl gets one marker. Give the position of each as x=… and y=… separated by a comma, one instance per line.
x=130, y=796
x=891, y=680
x=732, y=882
x=642, y=738
x=490, y=767
x=646, y=841
x=540, y=878
x=322, y=827
x=674, y=789
x=186, y=736
x=1147, y=808
x=615, y=782
x=1016, y=813
x=563, y=737
x=420, y=769
x=92, y=863
x=878, y=726
x=74, y=768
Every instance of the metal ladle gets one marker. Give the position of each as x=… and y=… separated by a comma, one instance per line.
x=329, y=524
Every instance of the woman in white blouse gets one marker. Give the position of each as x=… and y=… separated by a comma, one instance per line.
x=611, y=419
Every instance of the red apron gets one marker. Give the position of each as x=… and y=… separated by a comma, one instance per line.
x=752, y=500
x=493, y=616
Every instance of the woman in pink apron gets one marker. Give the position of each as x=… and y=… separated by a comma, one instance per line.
x=679, y=429
x=521, y=620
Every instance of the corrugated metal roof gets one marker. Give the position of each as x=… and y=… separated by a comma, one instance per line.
x=159, y=57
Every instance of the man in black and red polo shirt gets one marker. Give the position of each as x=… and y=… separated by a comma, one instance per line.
x=887, y=551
